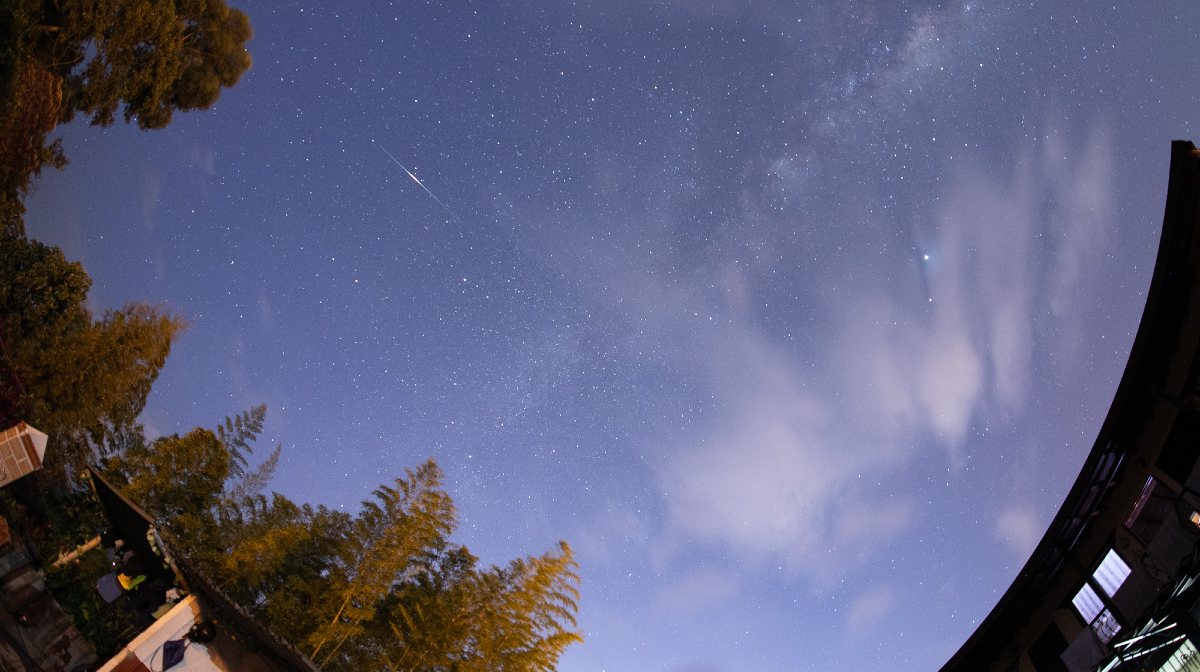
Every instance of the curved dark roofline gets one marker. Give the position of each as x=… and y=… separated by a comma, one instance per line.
x=1173, y=282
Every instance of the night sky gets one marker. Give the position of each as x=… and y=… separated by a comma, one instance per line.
x=796, y=322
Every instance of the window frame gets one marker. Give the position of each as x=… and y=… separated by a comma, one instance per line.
x=1106, y=623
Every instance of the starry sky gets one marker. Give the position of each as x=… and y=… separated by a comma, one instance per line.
x=796, y=320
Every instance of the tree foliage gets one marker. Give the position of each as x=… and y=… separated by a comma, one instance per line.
x=382, y=589
x=237, y=433
x=29, y=109
x=180, y=479
x=80, y=379
x=391, y=531
x=144, y=58
x=457, y=617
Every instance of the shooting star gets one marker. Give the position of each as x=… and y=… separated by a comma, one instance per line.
x=420, y=184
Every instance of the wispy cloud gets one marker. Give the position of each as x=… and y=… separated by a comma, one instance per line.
x=803, y=455
x=778, y=475
x=784, y=471
x=1082, y=211
x=696, y=590
x=607, y=536
x=1020, y=527
x=266, y=313
x=868, y=610
x=151, y=192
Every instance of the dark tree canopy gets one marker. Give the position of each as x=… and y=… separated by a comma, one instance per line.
x=143, y=59
x=146, y=58
x=82, y=380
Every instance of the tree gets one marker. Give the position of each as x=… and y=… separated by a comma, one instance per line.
x=384, y=589
x=395, y=529
x=144, y=57
x=41, y=301
x=236, y=434
x=518, y=618
x=29, y=109
x=532, y=608
x=277, y=558
x=430, y=620
x=81, y=380
x=180, y=480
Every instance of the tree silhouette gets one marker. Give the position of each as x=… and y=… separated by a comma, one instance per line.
x=145, y=58
x=82, y=380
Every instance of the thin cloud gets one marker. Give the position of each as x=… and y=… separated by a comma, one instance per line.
x=778, y=474
x=607, y=537
x=151, y=192
x=1020, y=527
x=868, y=610
x=986, y=225
x=801, y=457
x=266, y=313
x=1082, y=209
x=776, y=477
x=697, y=590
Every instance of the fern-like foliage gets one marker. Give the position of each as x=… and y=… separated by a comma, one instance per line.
x=237, y=433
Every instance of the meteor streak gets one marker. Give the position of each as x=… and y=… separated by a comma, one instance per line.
x=420, y=184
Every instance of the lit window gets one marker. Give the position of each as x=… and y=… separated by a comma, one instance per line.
x=1108, y=577
x=1087, y=603
x=1091, y=608
x=1111, y=573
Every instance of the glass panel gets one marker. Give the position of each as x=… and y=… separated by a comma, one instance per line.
x=1106, y=626
x=1087, y=603
x=1111, y=573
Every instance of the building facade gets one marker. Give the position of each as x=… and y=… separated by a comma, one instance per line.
x=1113, y=585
